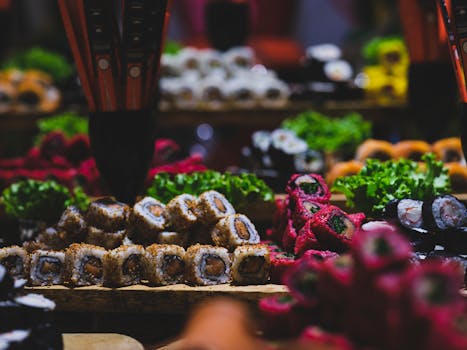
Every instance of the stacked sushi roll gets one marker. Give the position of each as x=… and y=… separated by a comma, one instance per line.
x=147, y=219
x=47, y=267
x=84, y=264
x=207, y=265
x=165, y=264
x=124, y=266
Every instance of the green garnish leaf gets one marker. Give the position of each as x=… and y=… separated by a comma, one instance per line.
x=69, y=123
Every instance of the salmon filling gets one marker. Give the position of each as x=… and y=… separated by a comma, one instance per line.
x=154, y=209
x=92, y=267
x=213, y=266
x=219, y=205
x=241, y=229
x=49, y=266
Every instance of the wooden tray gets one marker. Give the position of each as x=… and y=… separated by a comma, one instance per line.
x=175, y=299
x=99, y=341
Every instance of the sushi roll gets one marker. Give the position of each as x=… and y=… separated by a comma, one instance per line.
x=212, y=92
x=7, y=96
x=304, y=210
x=302, y=281
x=107, y=214
x=189, y=59
x=239, y=58
x=280, y=316
x=124, y=266
x=84, y=264
x=375, y=149
x=165, y=264
x=108, y=240
x=308, y=186
x=285, y=147
x=181, y=212
x=306, y=240
x=250, y=264
x=213, y=206
x=187, y=91
x=310, y=161
x=47, y=267
x=234, y=230
x=207, y=265
x=378, y=251
x=53, y=239
x=338, y=71
x=444, y=212
x=449, y=150
x=411, y=149
x=272, y=93
x=408, y=212
x=458, y=176
x=240, y=93
x=261, y=141
x=280, y=263
x=212, y=62
x=333, y=228
x=173, y=238
x=73, y=224
x=170, y=66
x=147, y=218
x=343, y=169
x=16, y=260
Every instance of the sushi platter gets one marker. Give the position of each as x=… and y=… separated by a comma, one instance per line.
x=174, y=299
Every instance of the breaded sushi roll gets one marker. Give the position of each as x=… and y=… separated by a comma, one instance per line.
x=84, y=264
x=374, y=149
x=251, y=264
x=16, y=260
x=181, y=212
x=147, y=219
x=343, y=169
x=72, y=222
x=165, y=264
x=124, y=266
x=448, y=150
x=213, y=206
x=458, y=175
x=53, y=239
x=234, y=230
x=207, y=265
x=169, y=237
x=411, y=149
x=108, y=240
x=47, y=267
x=108, y=214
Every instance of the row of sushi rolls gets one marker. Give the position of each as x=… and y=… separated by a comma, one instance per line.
x=115, y=245
x=206, y=78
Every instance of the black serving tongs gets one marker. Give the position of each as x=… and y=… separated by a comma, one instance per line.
x=117, y=46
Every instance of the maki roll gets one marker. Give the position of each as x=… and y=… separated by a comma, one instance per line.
x=213, y=206
x=181, y=212
x=186, y=91
x=84, y=264
x=47, y=267
x=239, y=58
x=15, y=260
x=333, y=228
x=444, y=212
x=147, y=219
x=176, y=238
x=448, y=150
x=306, y=240
x=234, y=230
x=108, y=240
x=343, y=169
x=272, y=93
x=212, y=62
x=281, y=262
x=408, y=212
x=310, y=161
x=375, y=149
x=239, y=93
x=411, y=149
x=280, y=316
x=304, y=210
x=302, y=279
x=73, y=224
x=207, y=265
x=124, y=266
x=165, y=264
x=308, y=186
x=458, y=175
x=189, y=59
x=250, y=264
x=108, y=214
x=212, y=92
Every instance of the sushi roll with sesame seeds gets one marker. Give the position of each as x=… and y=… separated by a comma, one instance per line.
x=234, y=230
x=47, y=268
x=207, y=265
x=107, y=214
x=84, y=264
x=147, y=219
x=124, y=266
x=73, y=224
x=108, y=240
x=181, y=212
x=250, y=264
x=165, y=264
x=170, y=237
x=16, y=260
x=213, y=206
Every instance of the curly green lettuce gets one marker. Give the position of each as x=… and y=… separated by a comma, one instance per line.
x=380, y=182
x=240, y=190
x=69, y=123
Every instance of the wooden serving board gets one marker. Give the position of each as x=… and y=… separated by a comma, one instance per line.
x=99, y=341
x=175, y=299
